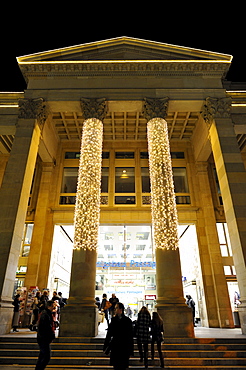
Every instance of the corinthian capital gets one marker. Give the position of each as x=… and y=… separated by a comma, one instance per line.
x=216, y=108
x=33, y=108
x=154, y=108
x=94, y=108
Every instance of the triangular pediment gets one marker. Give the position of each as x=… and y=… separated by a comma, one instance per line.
x=123, y=48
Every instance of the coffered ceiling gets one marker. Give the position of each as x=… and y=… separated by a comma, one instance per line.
x=125, y=125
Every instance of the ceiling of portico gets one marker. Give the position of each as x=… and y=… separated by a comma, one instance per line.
x=125, y=125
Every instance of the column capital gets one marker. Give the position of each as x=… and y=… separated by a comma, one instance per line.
x=154, y=107
x=33, y=109
x=93, y=108
x=216, y=108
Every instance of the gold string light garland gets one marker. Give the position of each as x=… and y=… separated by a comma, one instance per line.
x=163, y=204
x=87, y=207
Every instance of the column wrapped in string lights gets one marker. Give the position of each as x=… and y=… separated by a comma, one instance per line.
x=163, y=204
x=87, y=207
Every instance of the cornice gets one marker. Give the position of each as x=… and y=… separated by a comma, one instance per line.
x=123, y=68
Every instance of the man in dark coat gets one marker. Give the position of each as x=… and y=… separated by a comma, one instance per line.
x=119, y=339
x=46, y=334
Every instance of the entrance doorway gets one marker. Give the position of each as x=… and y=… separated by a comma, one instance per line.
x=126, y=265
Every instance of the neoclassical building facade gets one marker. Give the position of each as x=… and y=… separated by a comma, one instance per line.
x=125, y=133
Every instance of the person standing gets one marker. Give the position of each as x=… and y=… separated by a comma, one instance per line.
x=35, y=306
x=16, y=316
x=129, y=312
x=43, y=301
x=63, y=300
x=105, y=307
x=113, y=300
x=46, y=333
x=119, y=339
x=156, y=332
x=98, y=303
x=143, y=334
x=190, y=303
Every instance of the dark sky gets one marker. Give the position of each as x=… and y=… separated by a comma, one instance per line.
x=44, y=29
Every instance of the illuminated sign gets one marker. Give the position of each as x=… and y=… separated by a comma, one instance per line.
x=150, y=297
x=132, y=263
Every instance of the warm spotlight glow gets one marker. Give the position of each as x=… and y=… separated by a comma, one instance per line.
x=87, y=207
x=163, y=205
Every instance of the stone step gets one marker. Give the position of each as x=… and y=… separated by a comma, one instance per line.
x=89, y=367
x=104, y=361
x=83, y=340
x=86, y=353
x=217, y=345
x=98, y=353
x=98, y=346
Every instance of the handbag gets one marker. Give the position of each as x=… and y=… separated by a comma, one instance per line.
x=101, y=316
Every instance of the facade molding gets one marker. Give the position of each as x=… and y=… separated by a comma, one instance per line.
x=123, y=68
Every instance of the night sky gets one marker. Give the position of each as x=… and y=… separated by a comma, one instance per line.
x=46, y=29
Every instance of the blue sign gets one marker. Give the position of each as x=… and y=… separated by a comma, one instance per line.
x=132, y=263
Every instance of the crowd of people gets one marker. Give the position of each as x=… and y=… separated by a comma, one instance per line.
x=45, y=320
x=39, y=304
x=121, y=330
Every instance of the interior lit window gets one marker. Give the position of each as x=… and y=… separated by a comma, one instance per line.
x=104, y=179
x=105, y=155
x=177, y=155
x=227, y=270
x=124, y=180
x=69, y=182
x=124, y=199
x=144, y=155
x=180, y=180
x=218, y=187
x=145, y=180
x=224, y=240
x=72, y=155
x=26, y=240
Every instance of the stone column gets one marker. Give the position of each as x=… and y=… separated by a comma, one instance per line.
x=14, y=196
x=177, y=317
x=232, y=179
x=79, y=316
x=216, y=294
x=38, y=272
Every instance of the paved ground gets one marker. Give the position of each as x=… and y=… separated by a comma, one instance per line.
x=200, y=332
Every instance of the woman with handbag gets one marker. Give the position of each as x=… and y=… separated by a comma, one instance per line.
x=119, y=339
x=156, y=332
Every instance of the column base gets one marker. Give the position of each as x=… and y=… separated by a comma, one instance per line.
x=242, y=316
x=79, y=321
x=177, y=321
x=6, y=314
